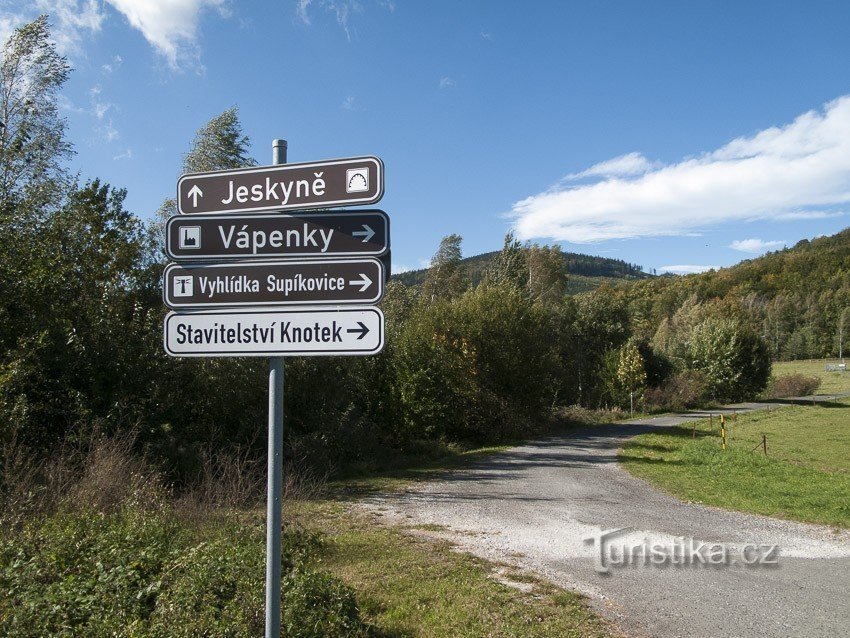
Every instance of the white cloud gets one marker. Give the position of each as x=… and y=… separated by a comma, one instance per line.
x=170, y=26
x=349, y=103
x=301, y=10
x=340, y=9
x=400, y=268
x=622, y=166
x=755, y=246
x=686, y=269
x=113, y=65
x=98, y=107
x=67, y=105
x=447, y=82
x=486, y=36
x=8, y=23
x=797, y=169
x=128, y=154
x=109, y=133
x=72, y=21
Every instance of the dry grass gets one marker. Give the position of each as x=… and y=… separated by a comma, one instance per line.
x=104, y=473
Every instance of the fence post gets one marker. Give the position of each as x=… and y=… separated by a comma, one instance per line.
x=723, y=431
x=764, y=443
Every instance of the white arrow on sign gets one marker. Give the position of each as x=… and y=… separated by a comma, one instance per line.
x=364, y=282
x=195, y=193
x=367, y=233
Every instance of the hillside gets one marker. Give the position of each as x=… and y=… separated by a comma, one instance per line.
x=586, y=272
x=796, y=297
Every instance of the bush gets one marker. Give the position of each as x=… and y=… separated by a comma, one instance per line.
x=105, y=551
x=687, y=389
x=481, y=367
x=734, y=359
x=792, y=385
x=144, y=573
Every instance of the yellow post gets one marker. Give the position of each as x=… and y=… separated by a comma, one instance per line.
x=723, y=431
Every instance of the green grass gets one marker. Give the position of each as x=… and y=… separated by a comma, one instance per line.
x=804, y=477
x=415, y=587
x=831, y=382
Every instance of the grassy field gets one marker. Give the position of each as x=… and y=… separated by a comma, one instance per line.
x=805, y=475
x=410, y=586
x=831, y=382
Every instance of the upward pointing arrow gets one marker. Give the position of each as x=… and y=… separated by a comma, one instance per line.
x=367, y=233
x=195, y=193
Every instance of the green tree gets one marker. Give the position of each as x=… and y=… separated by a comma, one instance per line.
x=735, y=360
x=547, y=275
x=510, y=265
x=32, y=135
x=218, y=145
x=631, y=375
x=77, y=351
x=446, y=278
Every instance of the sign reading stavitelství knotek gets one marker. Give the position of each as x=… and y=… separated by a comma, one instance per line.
x=310, y=185
x=262, y=333
x=225, y=237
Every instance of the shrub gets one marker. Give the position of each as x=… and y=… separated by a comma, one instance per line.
x=145, y=573
x=734, y=359
x=687, y=389
x=483, y=366
x=792, y=385
x=105, y=552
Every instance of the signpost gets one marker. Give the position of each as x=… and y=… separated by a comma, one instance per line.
x=275, y=333
x=203, y=237
x=274, y=283
x=286, y=270
x=346, y=182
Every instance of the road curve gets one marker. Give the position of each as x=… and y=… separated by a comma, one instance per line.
x=534, y=506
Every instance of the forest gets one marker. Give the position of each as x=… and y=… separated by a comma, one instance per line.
x=470, y=357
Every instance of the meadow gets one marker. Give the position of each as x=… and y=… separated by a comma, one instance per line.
x=804, y=476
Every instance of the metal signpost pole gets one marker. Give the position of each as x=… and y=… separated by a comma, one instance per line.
x=275, y=477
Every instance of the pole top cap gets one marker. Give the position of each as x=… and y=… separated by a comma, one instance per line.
x=279, y=143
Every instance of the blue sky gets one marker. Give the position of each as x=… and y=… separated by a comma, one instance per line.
x=662, y=133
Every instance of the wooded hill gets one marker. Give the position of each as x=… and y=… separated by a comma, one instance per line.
x=797, y=297
x=586, y=272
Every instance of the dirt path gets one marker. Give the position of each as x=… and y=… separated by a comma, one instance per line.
x=534, y=506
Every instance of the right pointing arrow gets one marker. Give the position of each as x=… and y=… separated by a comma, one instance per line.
x=363, y=330
x=367, y=233
x=364, y=282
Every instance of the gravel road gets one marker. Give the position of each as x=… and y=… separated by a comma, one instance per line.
x=533, y=506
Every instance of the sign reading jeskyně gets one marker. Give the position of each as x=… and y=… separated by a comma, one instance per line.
x=349, y=181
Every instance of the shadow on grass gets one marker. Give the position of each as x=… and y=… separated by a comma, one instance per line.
x=646, y=460
x=820, y=403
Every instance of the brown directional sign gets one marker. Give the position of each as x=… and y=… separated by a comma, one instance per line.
x=222, y=237
x=280, y=283
x=350, y=181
